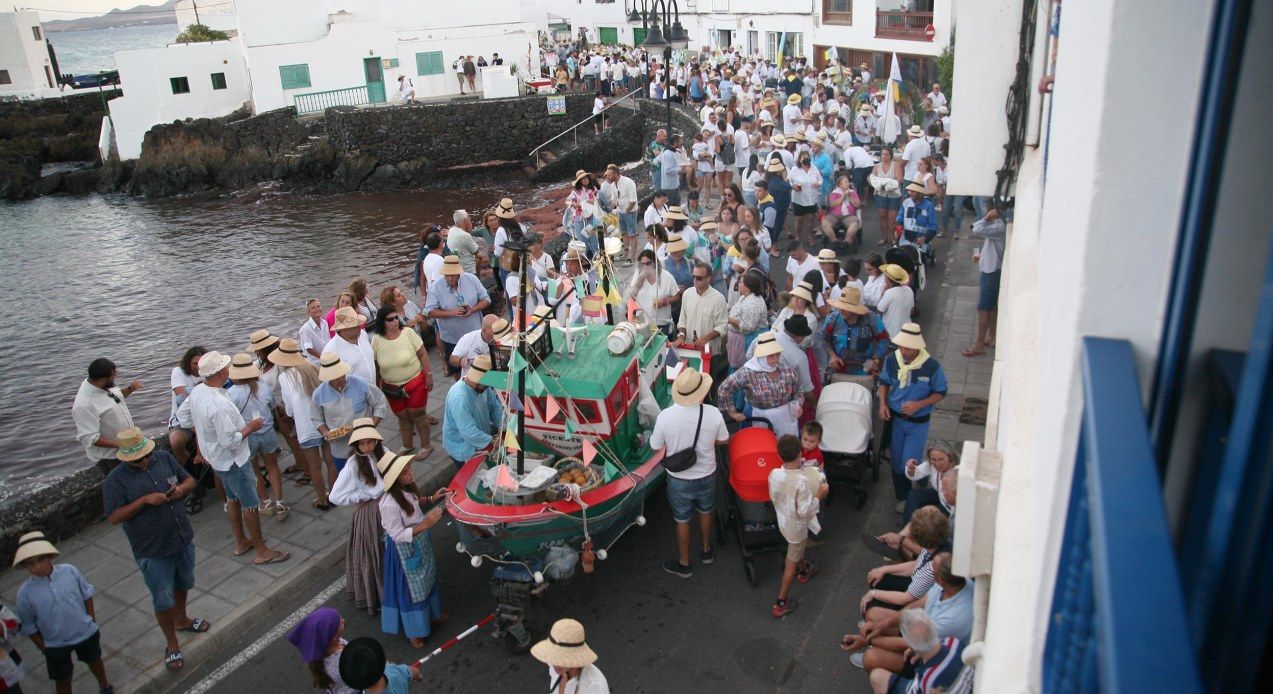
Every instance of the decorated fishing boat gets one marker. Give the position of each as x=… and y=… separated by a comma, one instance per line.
x=571, y=471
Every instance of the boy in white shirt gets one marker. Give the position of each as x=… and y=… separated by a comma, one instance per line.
x=796, y=492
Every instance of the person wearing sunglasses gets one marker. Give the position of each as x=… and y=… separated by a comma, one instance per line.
x=100, y=413
x=704, y=318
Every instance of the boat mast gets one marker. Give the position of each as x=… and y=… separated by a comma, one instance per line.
x=517, y=244
x=602, y=256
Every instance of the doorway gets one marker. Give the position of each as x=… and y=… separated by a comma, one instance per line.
x=375, y=80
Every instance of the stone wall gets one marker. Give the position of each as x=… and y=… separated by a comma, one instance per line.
x=35, y=132
x=622, y=142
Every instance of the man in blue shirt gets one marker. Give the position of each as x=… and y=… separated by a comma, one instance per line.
x=456, y=301
x=473, y=414
x=855, y=339
x=911, y=382
x=670, y=170
x=917, y=219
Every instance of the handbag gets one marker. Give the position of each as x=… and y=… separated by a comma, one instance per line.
x=394, y=392
x=683, y=460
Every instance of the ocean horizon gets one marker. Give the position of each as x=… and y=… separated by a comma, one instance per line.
x=87, y=51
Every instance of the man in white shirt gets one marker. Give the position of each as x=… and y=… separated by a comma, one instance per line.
x=799, y=263
x=703, y=314
x=898, y=300
x=688, y=423
x=792, y=116
x=742, y=147
x=859, y=162
x=461, y=242
x=313, y=334
x=916, y=149
x=352, y=344
x=100, y=413
x=621, y=191
x=222, y=436
x=866, y=74
x=936, y=98
x=865, y=125
x=477, y=342
x=431, y=266
x=406, y=89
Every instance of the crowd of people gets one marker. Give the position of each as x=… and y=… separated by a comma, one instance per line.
x=785, y=161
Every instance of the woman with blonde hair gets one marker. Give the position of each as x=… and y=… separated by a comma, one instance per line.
x=345, y=299
x=297, y=383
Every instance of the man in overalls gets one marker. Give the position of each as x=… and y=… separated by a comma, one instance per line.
x=911, y=382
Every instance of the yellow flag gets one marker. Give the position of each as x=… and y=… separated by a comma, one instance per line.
x=510, y=440
x=613, y=297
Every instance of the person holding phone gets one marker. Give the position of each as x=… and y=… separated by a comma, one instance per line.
x=410, y=603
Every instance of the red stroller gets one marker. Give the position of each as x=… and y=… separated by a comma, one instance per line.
x=750, y=515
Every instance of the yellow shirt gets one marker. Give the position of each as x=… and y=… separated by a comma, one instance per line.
x=397, y=359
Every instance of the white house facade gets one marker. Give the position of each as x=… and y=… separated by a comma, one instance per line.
x=190, y=80
x=25, y=67
x=214, y=14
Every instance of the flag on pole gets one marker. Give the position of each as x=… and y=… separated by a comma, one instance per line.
x=552, y=409
x=517, y=362
x=782, y=48
x=890, y=124
x=510, y=440
x=571, y=427
x=589, y=452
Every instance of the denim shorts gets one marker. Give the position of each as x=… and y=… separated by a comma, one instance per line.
x=167, y=574
x=884, y=203
x=628, y=223
x=263, y=443
x=312, y=443
x=686, y=496
x=988, y=297
x=240, y=485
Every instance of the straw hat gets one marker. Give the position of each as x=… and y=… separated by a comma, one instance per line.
x=392, y=465
x=775, y=167
x=803, y=292
x=797, y=325
x=565, y=646
x=579, y=176
x=364, y=428
x=500, y=328
x=504, y=210
x=287, y=354
x=793, y=99
x=261, y=339
x=915, y=131
x=778, y=140
x=613, y=245
x=708, y=224
x=826, y=255
x=243, y=366
x=676, y=243
x=820, y=136
x=943, y=111
x=572, y=254
x=767, y=344
x=133, y=444
x=850, y=300
x=478, y=368
x=330, y=367
x=909, y=337
x=917, y=187
x=33, y=544
x=212, y=363
x=897, y=273
x=767, y=102
x=346, y=318
x=799, y=136
x=690, y=387
x=867, y=109
x=451, y=265
x=674, y=212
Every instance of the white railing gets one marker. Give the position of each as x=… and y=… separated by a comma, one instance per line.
x=574, y=129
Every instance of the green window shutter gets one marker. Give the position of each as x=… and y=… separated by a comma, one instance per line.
x=429, y=63
x=294, y=76
x=218, y=80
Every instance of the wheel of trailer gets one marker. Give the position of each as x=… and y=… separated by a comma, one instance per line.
x=515, y=647
x=749, y=568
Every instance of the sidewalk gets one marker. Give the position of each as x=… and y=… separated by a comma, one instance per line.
x=230, y=592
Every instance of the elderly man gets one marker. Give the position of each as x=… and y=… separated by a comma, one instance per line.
x=145, y=496
x=460, y=241
x=911, y=383
x=100, y=413
x=855, y=339
x=223, y=441
x=621, y=191
x=916, y=148
x=351, y=343
x=456, y=301
x=917, y=221
x=478, y=342
x=342, y=397
x=938, y=662
x=473, y=413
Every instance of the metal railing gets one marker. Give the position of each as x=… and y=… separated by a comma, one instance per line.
x=315, y=102
x=574, y=129
x=1118, y=617
x=895, y=24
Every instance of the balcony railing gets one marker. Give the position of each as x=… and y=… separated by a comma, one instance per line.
x=315, y=102
x=1118, y=618
x=897, y=24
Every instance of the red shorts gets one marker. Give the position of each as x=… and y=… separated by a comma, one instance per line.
x=417, y=396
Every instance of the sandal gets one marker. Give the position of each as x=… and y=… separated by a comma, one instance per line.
x=278, y=558
x=197, y=626
x=173, y=660
x=322, y=505
x=293, y=469
x=970, y=352
x=303, y=480
x=281, y=510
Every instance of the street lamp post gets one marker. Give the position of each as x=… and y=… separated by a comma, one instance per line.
x=661, y=20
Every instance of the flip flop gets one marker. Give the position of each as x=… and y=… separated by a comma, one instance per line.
x=173, y=660
x=197, y=626
x=292, y=470
x=241, y=552
x=972, y=352
x=303, y=481
x=321, y=506
x=278, y=558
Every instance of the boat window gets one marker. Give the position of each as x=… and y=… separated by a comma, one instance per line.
x=585, y=411
x=617, y=398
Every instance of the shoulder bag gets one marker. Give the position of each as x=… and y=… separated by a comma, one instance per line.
x=683, y=460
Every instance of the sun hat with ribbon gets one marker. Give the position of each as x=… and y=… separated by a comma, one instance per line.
x=133, y=444
x=392, y=465
x=909, y=337
x=451, y=265
x=287, y=354
x=242, y=366
x=478, y=368
x=708, y=224
x=212, y=363
x=262, y=339
x=674, y=212
x=867, y=109
x=690, y=387
x=676, y=243
x=500, y=328
x=775, y=166
x=896, y=273
x=850, y=300
x=330, y=367
x=346, y=318
x=33, y=544
x=565, y=646
x=915, y=131
x=826, y=255
x=803, y=292
x=504, y=210
x=579, y=175
x=793, y=99
x=778, y=140
x=767, y=344
x=364, y=428
x=799, y=136
x=917, y=187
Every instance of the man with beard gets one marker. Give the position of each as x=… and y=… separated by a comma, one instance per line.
x=100, y=413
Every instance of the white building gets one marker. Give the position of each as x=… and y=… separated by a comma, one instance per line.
x=354, y=53
x=25, y=67
x=1117, y=515
x=183, y=80
x=214, y=14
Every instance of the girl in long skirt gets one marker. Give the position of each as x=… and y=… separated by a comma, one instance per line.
x=359, y=484
x=410, y=604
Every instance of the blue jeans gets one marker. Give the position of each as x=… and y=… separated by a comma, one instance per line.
x=953, y=207
x=240, y=485
x=749, y=198
x=908, y=443
x=165, y=575
x=628, y=223
x=687, y=496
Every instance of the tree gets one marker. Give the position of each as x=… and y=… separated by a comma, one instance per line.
x=198, y=33
x=946, y=66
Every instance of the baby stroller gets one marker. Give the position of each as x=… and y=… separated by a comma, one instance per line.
x=750, y=515
x=845, y=413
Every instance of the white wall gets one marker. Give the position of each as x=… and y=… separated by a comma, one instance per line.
x=591, y=15
x=1096, y=246
x=983, y=74
x=215, y=14
x=148, y=99
x=22, y=54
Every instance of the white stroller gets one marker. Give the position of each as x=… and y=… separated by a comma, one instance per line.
x=845, y=412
